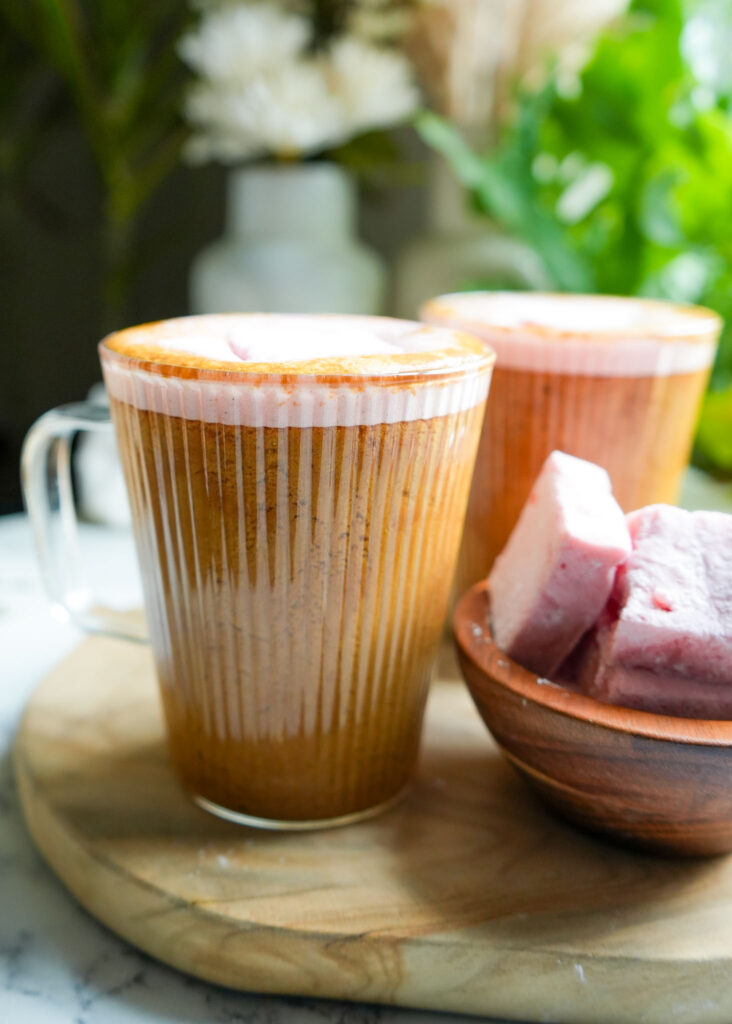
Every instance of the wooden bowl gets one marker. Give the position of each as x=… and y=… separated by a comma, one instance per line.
x=651, y=780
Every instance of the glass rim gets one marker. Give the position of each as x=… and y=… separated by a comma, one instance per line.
x=681, y=322
x=469, y=356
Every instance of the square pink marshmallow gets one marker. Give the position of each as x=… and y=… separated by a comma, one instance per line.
x=556, y=572
x=664, y=642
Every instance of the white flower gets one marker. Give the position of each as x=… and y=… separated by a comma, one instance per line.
x=234, y=44
x=260, y=91
x=289, y=112
x=374, y=84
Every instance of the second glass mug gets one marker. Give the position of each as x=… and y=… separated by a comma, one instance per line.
x=297, y=533
x=613, y=380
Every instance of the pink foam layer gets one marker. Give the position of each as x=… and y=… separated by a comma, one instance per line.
x=271, y=404
x=582, y=335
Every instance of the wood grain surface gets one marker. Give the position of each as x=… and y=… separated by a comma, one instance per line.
x=468, y=896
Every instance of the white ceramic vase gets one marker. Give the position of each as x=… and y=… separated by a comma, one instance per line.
x=289, y=246
x=460, y=251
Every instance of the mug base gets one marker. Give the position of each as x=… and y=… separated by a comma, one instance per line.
x=304, y=825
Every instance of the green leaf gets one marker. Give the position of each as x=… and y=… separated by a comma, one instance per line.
x=121, y=73
x=503, y=188
x=658, y=218
x=63, y=31
x=445, y=138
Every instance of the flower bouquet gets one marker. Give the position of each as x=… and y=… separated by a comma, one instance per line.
x=291, y=91
x=292, y=81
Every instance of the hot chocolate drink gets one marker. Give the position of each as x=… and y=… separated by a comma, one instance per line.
x=298, y=487
x=614, y=381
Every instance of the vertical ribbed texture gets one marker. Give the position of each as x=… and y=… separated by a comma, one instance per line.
x=296, y=582
x=639, y=428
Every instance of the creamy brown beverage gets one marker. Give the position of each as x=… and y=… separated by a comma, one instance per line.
x=298, y=487
x=612, y=380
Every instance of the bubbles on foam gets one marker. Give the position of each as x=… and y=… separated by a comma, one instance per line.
x=263, y=338
x=209, y=345
x=585, y=315
x=555, y=313
x=583, y=334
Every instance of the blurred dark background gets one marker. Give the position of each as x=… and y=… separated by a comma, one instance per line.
x=99, y=216
x=50, y=273
x=50, y=282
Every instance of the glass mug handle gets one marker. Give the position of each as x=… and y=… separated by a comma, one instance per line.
x=49, y=498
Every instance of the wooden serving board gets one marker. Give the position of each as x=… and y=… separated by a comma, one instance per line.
x=468, y=896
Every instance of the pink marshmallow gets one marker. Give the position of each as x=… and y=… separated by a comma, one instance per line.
x=556, y=572
x=664, y=642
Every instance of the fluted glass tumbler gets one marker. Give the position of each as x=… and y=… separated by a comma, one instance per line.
x=297, y=536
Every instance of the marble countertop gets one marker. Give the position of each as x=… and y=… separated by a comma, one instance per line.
x=57, y=965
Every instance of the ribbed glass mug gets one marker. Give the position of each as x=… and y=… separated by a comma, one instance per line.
x=297, y=533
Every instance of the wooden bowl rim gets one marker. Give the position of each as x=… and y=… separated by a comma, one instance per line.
x=479, y=648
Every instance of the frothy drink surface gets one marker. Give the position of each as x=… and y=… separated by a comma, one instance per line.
x=597, y=335
x=296, y=344
x=298, y=523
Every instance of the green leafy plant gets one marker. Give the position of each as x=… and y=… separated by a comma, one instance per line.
x=621, y=180
x=117, y=65
x=30, y=101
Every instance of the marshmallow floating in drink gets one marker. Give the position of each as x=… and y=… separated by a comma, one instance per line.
x=555, y=574
x=651, y=592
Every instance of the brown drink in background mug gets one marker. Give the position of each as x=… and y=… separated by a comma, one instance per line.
x=613, y=380
x=298, y=488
